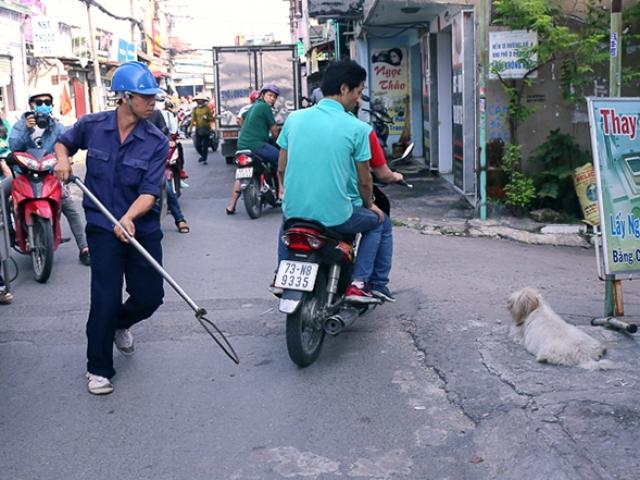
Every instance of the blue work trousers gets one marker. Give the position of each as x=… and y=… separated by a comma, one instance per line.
x=112, y=262
x=373, y=263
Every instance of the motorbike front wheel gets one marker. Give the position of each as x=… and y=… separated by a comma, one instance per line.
x=305, y=332
x=252, y=200
x=42, y=249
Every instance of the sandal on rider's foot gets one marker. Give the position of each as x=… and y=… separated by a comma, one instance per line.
x=229, y=211
x=182, y=226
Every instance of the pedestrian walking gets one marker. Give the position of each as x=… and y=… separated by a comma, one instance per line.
x=125, y=167
x=202, y=119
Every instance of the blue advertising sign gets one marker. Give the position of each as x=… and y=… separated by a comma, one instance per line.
x=126, y=51
x=616, y=154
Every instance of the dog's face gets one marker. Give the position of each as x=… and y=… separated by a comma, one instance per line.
x=521, y=303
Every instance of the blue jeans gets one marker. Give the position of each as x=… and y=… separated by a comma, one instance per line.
x=172, y=203
x=270, y=154
x=373, y=263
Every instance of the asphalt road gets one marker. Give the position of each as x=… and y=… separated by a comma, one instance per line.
x=427, y=388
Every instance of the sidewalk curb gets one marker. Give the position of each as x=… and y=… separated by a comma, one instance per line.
x=475, y=228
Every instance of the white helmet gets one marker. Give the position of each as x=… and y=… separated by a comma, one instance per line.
x=39, y=93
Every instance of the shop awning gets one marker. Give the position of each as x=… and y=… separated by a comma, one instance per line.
x=390, y=12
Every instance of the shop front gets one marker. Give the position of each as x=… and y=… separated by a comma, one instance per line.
x=422, y=71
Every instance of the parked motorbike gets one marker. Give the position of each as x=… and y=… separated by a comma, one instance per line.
x=257, y=182
x=379, y=118
x=184, y=123
x=36, y=206
x=314, y=278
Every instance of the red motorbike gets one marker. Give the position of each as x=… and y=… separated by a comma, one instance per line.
x=36, y=206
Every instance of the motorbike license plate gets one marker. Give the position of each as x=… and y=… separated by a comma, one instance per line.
x=296, y=275
x=244, y=173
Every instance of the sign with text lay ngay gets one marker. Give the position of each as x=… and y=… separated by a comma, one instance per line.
x=616, y=154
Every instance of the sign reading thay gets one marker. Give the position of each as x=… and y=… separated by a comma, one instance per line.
x=616, y=149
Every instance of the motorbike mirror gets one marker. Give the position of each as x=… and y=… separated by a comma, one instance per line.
x=405, y=155
x=407, y=151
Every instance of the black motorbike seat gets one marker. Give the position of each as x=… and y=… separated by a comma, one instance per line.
x=307, y=223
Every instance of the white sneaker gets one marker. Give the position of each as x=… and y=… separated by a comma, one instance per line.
x=124, y=341
x=98, y=385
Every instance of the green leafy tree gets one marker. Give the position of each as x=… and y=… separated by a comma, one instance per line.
x=542, y=17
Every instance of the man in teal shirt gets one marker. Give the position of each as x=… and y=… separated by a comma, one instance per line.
x=320, y=148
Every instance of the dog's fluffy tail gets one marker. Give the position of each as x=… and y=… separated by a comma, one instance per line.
x=593, y=365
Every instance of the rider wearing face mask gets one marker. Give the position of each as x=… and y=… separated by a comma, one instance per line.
x=36, y=133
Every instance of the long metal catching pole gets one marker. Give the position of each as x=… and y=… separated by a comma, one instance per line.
x=200, y=312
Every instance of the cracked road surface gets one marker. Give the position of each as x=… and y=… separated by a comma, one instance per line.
x=430, y=387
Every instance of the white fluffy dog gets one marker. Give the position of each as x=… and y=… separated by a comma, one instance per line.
x=548, y=337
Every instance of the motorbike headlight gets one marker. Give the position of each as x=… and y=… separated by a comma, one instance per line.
x=32, y=164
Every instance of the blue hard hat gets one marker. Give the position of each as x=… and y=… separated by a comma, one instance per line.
x=134, y=77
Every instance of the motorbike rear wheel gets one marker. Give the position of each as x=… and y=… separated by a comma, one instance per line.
x=252, y=198
x=305, y=332
x=42, y=249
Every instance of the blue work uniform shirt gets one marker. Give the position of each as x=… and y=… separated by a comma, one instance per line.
x=118, y=173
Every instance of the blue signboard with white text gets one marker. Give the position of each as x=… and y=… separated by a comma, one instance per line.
x=616, y=154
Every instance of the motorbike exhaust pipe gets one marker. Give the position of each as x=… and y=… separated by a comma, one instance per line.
x=334, y=324
x=341, y=320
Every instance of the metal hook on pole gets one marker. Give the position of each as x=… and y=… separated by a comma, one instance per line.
x=200, y=313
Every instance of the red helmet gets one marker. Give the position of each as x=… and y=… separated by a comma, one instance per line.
x=253, y=96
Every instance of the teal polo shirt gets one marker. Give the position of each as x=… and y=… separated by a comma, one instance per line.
x=323, y=144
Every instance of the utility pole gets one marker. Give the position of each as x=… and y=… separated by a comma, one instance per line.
x=482, y=87
x=132, y=12
x=336, y=27
x=307, y=45
x=613, y=305
x=615, y=44
x=94, y=58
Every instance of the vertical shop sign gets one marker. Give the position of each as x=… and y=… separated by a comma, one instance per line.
x=390, y=85
x=616, y=152
x=457, y=101
x=104, y=42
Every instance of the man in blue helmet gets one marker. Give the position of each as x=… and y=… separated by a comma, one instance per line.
x=126, y=157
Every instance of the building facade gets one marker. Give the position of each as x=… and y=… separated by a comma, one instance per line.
x=422, y=59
